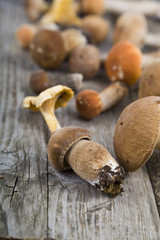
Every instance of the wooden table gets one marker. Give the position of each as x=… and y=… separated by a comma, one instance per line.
x=35, y=200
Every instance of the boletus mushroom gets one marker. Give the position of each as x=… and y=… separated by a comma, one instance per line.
x=137, y=132
x=124, y=63
x=150, y=80
x=90, y=103
x=34, y=8
x=47, y=49
x=41, y=80
x=85, y=60
x=133, y=26
x=70, y=147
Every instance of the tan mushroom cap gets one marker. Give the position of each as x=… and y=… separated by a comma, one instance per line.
x=137, y=132
x=63, y=93
x=131, y=26
x=150, y=80
x=60, y=141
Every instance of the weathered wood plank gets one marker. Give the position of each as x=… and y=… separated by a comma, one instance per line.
x=35, y=200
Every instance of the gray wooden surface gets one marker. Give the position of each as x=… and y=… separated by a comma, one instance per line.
x=36, y=201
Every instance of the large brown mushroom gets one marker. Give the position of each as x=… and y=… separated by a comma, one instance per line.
x=150, y=80
x=47, y=49
x=70, y=147
x=137, y=132
x=90, y=103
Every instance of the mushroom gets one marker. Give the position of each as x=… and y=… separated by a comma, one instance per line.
x=49, y=100
x=90, y=103
x=150, y=80
x=124, y=63
x=34, y=8
x=137, y=132
x=91, y=6
x=41, y=80
x=47, y=49
x=132, y=26
x=97, y=26
x=24, y=34
x=85, y=60
x=62, y=12
x=70, y=147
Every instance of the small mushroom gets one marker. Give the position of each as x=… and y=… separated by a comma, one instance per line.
x=70, y=147
x=62, y=12
x=150, y=80
x=24, y=34
x=47, y=49
x=137, y=132
x=41, y=80
x=34, y=8
x=91, y=6
x=97, y=26
x=90, y=103
x=124, y=63
x=85, y=60
x=133, y=26
x=49, y=100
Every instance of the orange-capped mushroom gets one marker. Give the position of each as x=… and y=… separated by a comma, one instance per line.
x=124, y=63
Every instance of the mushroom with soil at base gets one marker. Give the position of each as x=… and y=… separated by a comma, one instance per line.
x=41, y=80
x=71, y=147
x=149, y=84
x=90, y=103
x=133, y=26
x=137, y=132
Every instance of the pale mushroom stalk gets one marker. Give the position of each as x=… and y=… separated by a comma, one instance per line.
x=90, y=103
x=150, y=8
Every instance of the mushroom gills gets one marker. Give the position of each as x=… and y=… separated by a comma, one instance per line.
x=92, y=162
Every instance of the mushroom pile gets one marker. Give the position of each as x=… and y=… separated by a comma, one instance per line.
x=68, y=32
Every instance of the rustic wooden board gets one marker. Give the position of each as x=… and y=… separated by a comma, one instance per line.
x=35, y=200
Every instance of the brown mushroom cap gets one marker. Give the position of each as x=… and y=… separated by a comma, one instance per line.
x=124, y=63
x=150, y=80
x=47, y=49
x=136, y=132
x=89, y=103
x=39, y=81
x=60, y=141
x=97, y=26
x=24, y=35
x=131, y=26
x=92, y=6
x=85, y=60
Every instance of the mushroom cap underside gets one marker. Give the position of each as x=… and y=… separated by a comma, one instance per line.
x=62, y=93
x=137, y=132
x=60, y=141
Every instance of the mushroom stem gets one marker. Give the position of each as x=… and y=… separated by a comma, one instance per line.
x=158, y=140
x=111, y=95
x=151, y=8
x=92, y=162
x=153, y=39
x=49, y=116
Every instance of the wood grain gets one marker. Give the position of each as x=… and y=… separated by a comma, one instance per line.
x=35, y=200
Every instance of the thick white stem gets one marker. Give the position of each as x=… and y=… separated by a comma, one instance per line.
x=153, y=39
x=148, y=58
x=113, y=94
x=149, y=8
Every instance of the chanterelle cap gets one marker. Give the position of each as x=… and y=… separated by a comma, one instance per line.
x=60, y=141
x=137, y=132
